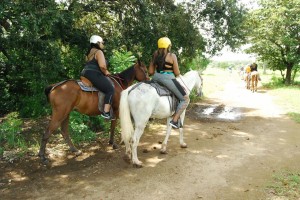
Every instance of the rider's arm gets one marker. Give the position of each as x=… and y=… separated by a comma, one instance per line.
x=151, y=69
x=175, y=65
x=101, y=62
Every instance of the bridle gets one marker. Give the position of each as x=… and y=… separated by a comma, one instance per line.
x=144, y=71
x=120, y=82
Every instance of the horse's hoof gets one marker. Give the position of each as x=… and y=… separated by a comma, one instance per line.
x=115, y=146
x=44, y=160
x=78, y=153
x=184, y=145
x=137, y=165
x=163, y=151
x=126, y=159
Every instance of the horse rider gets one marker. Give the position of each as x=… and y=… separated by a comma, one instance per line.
x=164, y=68
x=96, y=72
x=253, y=68
x=247, y=72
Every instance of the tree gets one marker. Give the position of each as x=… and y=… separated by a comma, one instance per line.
x=275, y=35
x=220, y=21
x=43, y=42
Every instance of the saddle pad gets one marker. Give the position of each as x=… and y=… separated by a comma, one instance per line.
x=161, y=90
x=87, y=88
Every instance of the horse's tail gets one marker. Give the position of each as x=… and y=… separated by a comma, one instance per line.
x=125, y=120
x=47, y=91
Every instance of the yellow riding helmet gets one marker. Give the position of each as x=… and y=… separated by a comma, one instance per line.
x=163, y=43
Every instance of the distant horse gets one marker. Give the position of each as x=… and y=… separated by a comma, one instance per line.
x=68, y=95
x=254, y=81
x=143, y=102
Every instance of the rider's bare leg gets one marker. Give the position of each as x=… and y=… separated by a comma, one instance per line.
x=107, y=108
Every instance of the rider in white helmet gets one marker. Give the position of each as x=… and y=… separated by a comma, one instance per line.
x=96, y=72
x=164, y=66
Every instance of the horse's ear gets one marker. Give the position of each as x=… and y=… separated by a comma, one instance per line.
x=139, y=62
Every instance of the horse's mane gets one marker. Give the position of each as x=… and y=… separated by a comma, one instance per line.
x=190, y=76
x=125, y=75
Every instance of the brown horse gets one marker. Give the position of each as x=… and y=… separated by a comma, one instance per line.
x=67, y=96
x=254, y=80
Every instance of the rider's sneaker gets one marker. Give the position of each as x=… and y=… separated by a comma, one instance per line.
x=175, y=125
x=106, y=115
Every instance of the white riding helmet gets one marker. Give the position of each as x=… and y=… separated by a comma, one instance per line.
x=95, y=39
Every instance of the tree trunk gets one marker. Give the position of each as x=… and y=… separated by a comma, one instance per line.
x=288, y=76
x=264, y=68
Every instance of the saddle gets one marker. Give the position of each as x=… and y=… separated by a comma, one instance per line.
x=162, y=91
x=87, y=86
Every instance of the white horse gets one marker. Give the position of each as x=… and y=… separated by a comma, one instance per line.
x=144, y=103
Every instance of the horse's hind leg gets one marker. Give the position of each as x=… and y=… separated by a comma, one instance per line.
x=113, y=124
x=66, y=136
x=53, y=125
x=163, y=149
x=256, y=84
x=181, y=141
x=135, y=141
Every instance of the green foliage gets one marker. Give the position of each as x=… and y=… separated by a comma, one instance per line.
x=199, y=63
x=274, y=35
x=221, y=20
x=121, y=60
x=33, y=38
x=10, y=133
x=33, y=106
x=79, y=130
x=43, y=42
x=295, y=116
x=276, y=82
x=194, y=97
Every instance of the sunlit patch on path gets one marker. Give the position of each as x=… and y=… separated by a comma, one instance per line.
x=216, y=112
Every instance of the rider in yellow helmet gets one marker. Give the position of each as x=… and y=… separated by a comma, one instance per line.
x=164, y=68
x=247, y=72
x=248, y=69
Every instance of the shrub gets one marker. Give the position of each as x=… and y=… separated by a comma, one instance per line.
x=10, y=133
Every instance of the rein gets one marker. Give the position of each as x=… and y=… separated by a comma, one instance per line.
x=114, y=78
x=185, y=84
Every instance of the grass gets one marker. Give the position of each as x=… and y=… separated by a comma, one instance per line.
x=285, y=184
x=22, y=136
x=286, y=97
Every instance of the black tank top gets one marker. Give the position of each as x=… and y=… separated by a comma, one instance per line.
x=161, y=64
x=92, y=64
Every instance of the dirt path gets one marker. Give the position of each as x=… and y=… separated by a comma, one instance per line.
x=229, y=156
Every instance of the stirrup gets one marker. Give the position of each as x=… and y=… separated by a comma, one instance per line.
x=175, y=125
x=106, y=115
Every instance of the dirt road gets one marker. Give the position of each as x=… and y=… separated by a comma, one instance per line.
x=236, y=141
